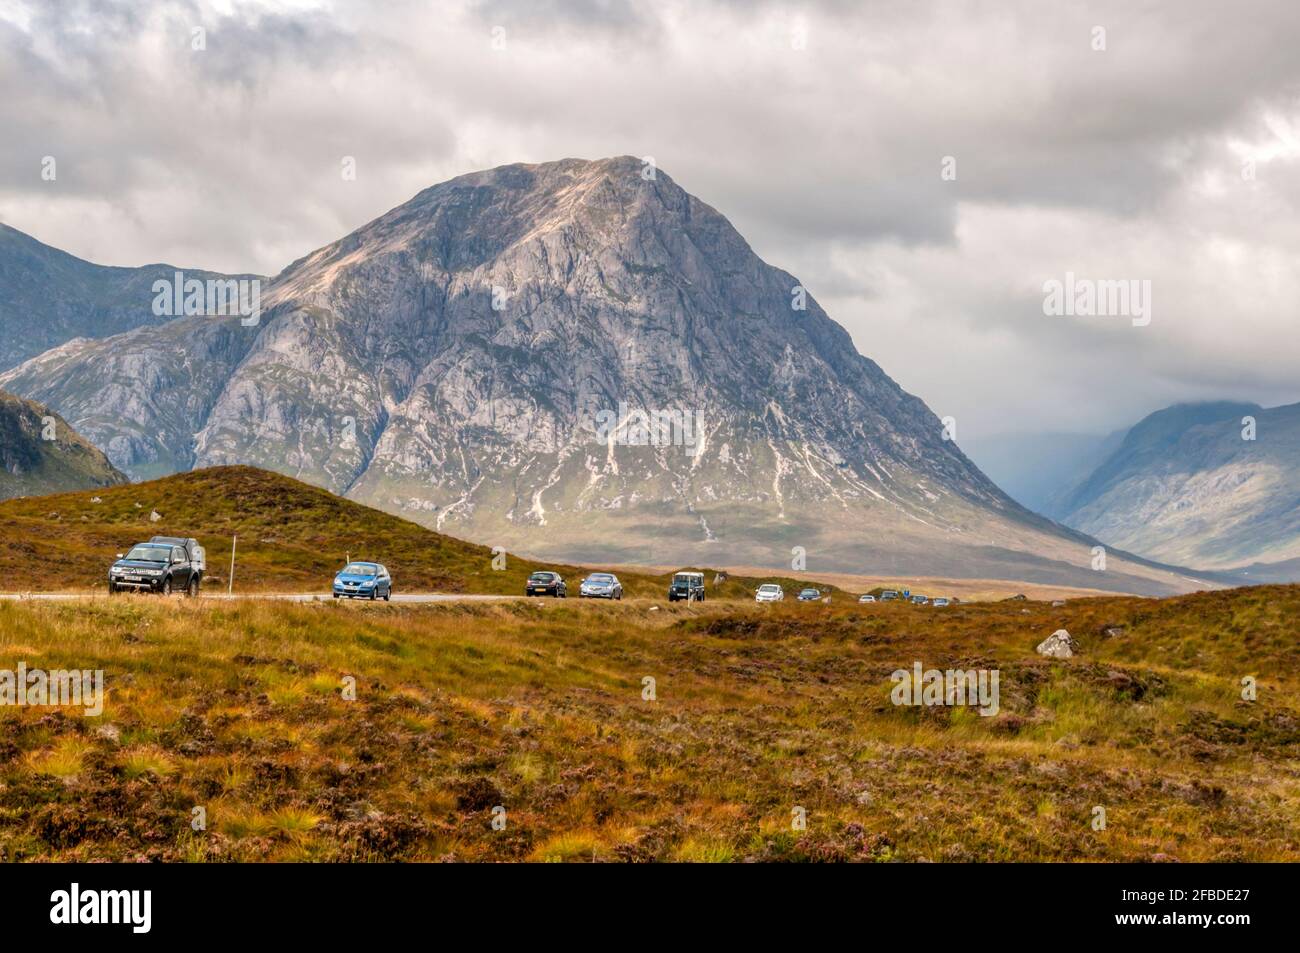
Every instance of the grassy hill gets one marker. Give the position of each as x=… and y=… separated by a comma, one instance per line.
x=538, y=707
x=293, y=537
x=32, y=465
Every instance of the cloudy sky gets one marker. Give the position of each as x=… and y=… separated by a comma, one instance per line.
x=1123, y=141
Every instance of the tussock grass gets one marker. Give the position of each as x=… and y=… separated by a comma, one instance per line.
x=240, y=709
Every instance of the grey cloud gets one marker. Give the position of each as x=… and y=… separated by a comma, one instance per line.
x=826, y=158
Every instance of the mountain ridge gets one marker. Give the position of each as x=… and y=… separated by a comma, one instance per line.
x=446, y=360
x=1193, y=484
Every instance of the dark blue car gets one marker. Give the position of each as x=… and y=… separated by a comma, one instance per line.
x=364, y=580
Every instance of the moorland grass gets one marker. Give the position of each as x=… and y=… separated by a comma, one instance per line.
x=537, y=707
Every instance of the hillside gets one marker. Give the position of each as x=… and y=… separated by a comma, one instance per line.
x=48, y=297
x=538, y=708
x=31, y=465
x=497, y=358
x=1184, y=487
x=293, y=537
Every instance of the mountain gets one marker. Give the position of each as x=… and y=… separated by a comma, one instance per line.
x=40, y=453
x=1040, y=470
x=1185, y=486
x=48, y=297
x=477, y=359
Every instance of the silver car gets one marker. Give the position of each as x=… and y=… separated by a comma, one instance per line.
x=601, y=585
x=769, y=592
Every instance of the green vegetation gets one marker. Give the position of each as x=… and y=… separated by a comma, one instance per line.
x=239, y=708
x=40, y=453
x=293, y=537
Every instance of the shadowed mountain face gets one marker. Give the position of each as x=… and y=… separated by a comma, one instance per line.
x=1196, y=484
x=578, y=360
x=48, y=297
x=40, y=453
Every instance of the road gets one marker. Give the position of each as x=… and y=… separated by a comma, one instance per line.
x=413, y=597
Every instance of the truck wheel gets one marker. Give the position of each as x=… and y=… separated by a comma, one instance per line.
x=192, y=590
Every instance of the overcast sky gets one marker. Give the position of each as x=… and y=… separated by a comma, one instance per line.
x=1171, y=155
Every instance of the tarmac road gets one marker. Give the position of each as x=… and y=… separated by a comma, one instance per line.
x=280, y=596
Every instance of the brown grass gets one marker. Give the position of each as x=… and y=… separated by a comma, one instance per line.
x=537, y=708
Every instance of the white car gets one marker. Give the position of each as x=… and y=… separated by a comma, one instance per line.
x=867, y=598
x=769, y=592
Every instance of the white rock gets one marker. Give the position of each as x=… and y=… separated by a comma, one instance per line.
x=1059, y=644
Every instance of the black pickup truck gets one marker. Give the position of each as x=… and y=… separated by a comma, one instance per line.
x=165, y=564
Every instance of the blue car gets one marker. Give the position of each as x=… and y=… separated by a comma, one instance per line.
x=367, y=580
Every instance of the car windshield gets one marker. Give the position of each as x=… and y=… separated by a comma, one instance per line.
x=600, y=577
x=360, y=569
x=811, y=592
x=769, y=587
x=685, y=579
x=541, y=577
x=153, y=554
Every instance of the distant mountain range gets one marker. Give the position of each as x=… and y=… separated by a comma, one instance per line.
x=578, y=360
x=48, y=297
x=41, y=454
x=1193, y=484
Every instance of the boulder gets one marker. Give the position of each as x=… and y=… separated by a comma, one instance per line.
x=1058, y=645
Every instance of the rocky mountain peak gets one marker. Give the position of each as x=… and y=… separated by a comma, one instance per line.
x=575, y=358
